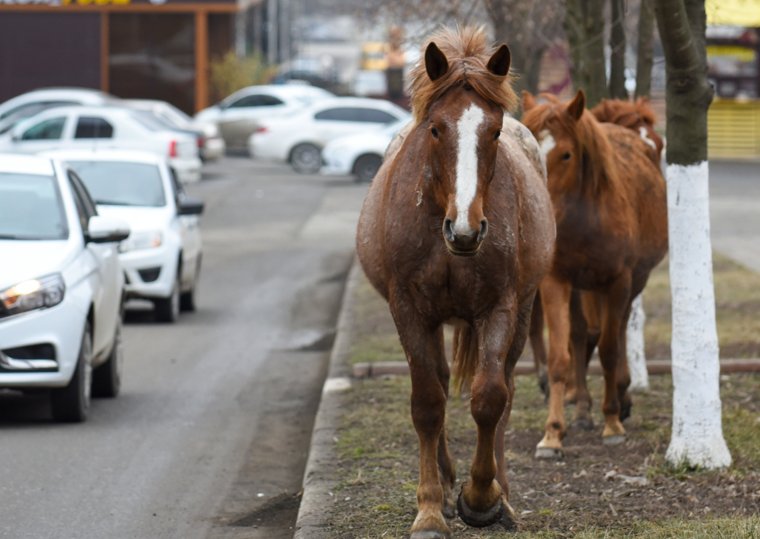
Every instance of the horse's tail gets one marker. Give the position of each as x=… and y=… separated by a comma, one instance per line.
x=465, y=357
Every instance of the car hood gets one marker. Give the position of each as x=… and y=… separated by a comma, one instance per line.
x=139, y=218
x=31, y=259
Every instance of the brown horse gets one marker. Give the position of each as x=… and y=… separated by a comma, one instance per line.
x=609, y=202
x=457, y=227
x=640, y=118
x=636, y=115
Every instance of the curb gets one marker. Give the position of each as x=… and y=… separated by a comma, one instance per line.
x=317, y=483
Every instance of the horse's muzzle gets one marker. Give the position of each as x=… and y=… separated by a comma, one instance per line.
x=466, y=244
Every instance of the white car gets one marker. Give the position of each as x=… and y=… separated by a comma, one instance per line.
x=30, y=103
x=298, y=138
x=162, y=257
x=61, y=297
x=359, y=155
x=210, y=142
x=239, y=114
x=104, y=127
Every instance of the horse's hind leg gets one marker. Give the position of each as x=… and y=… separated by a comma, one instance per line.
x=584, y=313
x=611, y=354
x=537, y=345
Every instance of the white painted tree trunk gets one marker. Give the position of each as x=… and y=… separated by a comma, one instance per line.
x=634, y=339
x=697, y=436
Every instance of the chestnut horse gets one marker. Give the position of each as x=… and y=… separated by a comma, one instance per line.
x=640, y=118
x=636, y=115
x=457, y=227
x=609, y=202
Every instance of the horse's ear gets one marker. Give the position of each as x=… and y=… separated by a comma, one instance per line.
x=436, y=64
x=576, y=106
x=528, y=101
x=499, y=62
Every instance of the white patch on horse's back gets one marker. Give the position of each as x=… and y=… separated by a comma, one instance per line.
x=546, y=143
x=644, y=133
x=467, y=165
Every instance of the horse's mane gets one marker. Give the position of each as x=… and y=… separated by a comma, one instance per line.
x=467, y=53
x=626, y=113
x=597, y=155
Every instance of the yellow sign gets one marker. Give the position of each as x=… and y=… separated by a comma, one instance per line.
x=744, y=13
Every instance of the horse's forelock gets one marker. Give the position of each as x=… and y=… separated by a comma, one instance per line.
x=467, y=52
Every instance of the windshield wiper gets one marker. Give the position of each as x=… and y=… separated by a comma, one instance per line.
x=114, y=203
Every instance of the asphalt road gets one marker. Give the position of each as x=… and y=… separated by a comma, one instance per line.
x=210, y=435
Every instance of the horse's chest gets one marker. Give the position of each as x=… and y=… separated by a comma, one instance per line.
x=590, y=253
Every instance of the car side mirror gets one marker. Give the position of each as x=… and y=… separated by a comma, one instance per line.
x=190, y=206
x=101, y=229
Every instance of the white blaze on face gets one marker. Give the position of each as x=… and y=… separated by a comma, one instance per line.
x=645, y=137
x=467, y=165
x=546, y=143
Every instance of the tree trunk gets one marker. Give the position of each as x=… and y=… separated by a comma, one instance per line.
x=617, y=51
x=584, y=26
x=645, y=50
x=634, y=341
x=697, y=434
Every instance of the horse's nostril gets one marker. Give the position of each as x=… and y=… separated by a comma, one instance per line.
x=483, y=229
x=448, y=230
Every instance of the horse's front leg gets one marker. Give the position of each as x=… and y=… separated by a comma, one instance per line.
x=482, y=500
x=424, y=352
x=555, y=298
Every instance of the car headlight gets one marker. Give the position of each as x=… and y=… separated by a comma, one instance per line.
x=142, y=240
x=33, y=294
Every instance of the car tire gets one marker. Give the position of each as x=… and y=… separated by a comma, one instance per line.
x=71, y=404
x=187, y=299
x=106, y=378
x=167, y=309
x=306, y=159
x=366, y=167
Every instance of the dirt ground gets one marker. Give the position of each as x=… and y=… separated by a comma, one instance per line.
x=595, y=491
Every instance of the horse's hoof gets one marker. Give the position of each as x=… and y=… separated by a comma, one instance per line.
x=432, y=534
x=583, y=423
x=449, y=509
x=615, y=439
x=549, y=453
x=501, y=512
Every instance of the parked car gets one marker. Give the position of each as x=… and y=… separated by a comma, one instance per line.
x=104, y=127
x=239, y=114
x=298, y=138
x=162, y=257
x=359, y=154
x=210, y=142
x=30, y=103
x=61, y=296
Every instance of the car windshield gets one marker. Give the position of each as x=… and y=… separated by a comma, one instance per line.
x=150, y=121
x=31, y=208
x=121, y=183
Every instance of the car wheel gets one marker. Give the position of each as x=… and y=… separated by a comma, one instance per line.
x=106, y=378
x=187, y=299
x=366, y=167
x=167, y=309
x=71, y=403
x=306, y=158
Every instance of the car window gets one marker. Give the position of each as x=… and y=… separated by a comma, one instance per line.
x=375, y=116
x=121, y=183
x=83, y=202
x=50, y=129
x=354, y=114
x=178, y=190
x=31, y=208
x=27, y=110
x=93, y=127
x=255, y=100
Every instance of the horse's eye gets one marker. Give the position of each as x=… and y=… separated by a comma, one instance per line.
x=434, y=132
x=566, y=156
x=496, y=135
